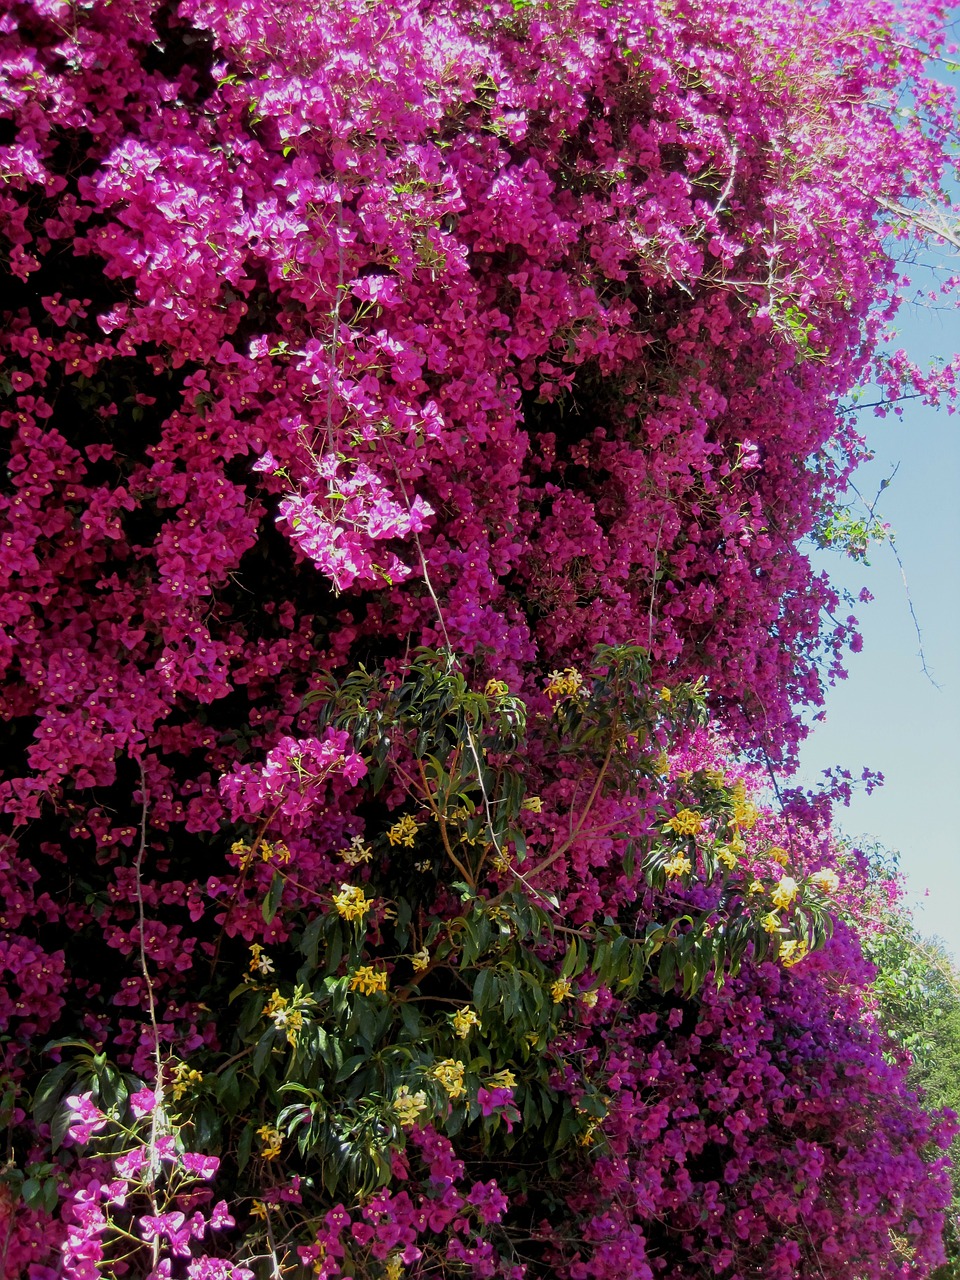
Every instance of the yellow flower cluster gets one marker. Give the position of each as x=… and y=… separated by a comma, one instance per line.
x=727, y=857
x=420, y=960
x=686, y=823
x=784, y=893
x=533, y=804
x=242, y=851
x=716, y=777
x=745, y=814
x=463, y=1022
x=260, y=962
x=661, y=764
x=283, y=1017
x=184, y=1078
x=258, y=1210
x=351, y=902
x=409, y=1106
x=778, y=855
x=666, y=695
x=589, y=998
x=677, y=866
x=826, y=881
x=394, y=1267
x=771, y=922
x=792, y=952
x=272, y=1142
x=560, y=989
x=404, y=831
x=276, y=1004
x=587, y=1138
x=500, y=862
x=504, y=1079
x=368, y=980
x=268, y=852
x=564, y=684
x=496, y=689
x=355, y=852
x=449, y=1073
x=291, y=1023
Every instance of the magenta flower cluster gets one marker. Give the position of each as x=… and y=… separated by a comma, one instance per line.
x=332, y=330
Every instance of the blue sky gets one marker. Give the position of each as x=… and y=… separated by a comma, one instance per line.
x=888, y=715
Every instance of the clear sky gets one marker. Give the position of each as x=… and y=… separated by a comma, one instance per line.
x=888, y=715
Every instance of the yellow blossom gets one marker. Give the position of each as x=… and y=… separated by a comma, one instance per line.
x=355, y=852
x=351, y=902
x=686, y=823
x=677, y=866
x=268, y=851
x=716, y=777
x=560, y=989
x=666, y=695
x=589, y=998
x=408, y=1106
x=243, y=852
x=496, y=689
x=784, y=893
x=792, y=953
x=778, y=855
x=533, y=804
x=587, y=1138
x=500, y=862
x=368, y=980
x=258, y=1209
x=565, y=683
x=504, y=1079
x=276, y=1004
x=394, y=1267
x=745, y=814
x=770, y=922
x=826, y=881
x=272, y=1142
x=260, y=962
x=463, y=1021
x=403, y=831
x=755, y=886
x=727, y=857
x=420, y=960
x=184, y=1078
x=449, y=1073
x=661, y=764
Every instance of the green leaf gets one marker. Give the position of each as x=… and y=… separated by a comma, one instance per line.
x=49, y=1091
x=59, y=1126
x=263, y=1051
x=245, y=1146
x=486, y=990
x=271, y=902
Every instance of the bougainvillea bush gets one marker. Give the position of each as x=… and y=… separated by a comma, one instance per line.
x=413, y=419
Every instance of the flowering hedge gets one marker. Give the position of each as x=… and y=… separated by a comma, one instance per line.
x=412, y=417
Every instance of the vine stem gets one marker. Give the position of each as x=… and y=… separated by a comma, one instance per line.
x=585, y=813
x=154, y=1160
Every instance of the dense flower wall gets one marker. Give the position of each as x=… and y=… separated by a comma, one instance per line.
x=337, y=335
